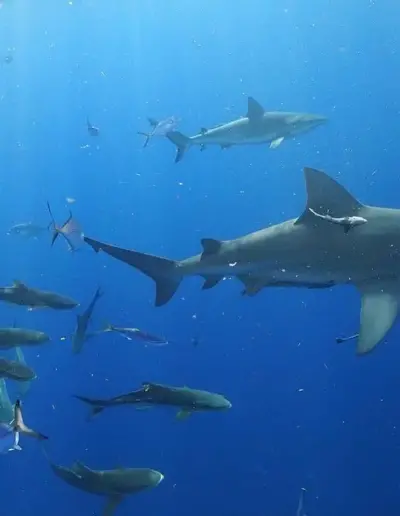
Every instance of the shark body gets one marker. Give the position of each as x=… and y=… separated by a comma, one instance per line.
x=302, y=252
x=257, y=127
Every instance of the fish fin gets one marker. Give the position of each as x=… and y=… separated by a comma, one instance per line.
x=162, y=271
x=211, y=281
x=94, y=407
x=147, y=138
x=19, y=284
x=20, y=427
x=210, y=246
x=181, y=141
x=379, y=310
x=325, y=195
x=252, y=285
x=183, y=414
x=275, y=143
x=111, y=504
x=152, y=121
x=347, y=228
x=255, y=111
x=203, y=130
x=16, y=447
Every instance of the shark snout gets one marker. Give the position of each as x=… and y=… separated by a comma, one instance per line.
x=156, y=478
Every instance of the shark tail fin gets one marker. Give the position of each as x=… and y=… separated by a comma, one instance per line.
x=96, y=406
x=163, y=271
x=147, y=138
x=182, y=143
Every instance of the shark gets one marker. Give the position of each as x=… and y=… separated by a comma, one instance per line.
x=300, y=252
x=186, y=399
x=257, y=127
x=114, y=485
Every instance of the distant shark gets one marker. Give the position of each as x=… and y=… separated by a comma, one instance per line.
x=257, y=127
x=302, y=252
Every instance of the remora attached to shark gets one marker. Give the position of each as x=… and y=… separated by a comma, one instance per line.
x=302, y=252
x=257, y=127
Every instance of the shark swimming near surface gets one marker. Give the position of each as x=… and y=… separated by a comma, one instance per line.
x=300, y=252
x=257, y=127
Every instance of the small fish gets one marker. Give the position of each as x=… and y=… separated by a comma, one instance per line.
x=10, y=433
x=92, y=130
x=160, y=128
x=346, y=222
x=70, y=230
x=70, y=200
x=28, y=230
x=135, y=333
x=339, y=340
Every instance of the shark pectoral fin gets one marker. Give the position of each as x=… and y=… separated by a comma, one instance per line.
x=211, y=281
x=183, y=414
x=251, y=285
x=112, y=504
x=325, y=195
x=210, y=246
x=379, y=310
x=255, y=111
x=275, y=143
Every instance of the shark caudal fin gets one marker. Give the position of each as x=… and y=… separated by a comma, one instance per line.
x=96, y=406
x=163, y=271
x=147, y=138
x=182, y=143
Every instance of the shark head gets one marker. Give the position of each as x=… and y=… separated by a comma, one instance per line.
x=304, y=122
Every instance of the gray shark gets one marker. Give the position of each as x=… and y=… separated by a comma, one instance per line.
x=6, y=407
x=15, y=370
x=21, y=294
x=80, y=335
x=302, y=252
x=113, y=484
x=186, y=399
x=14, y=337
x=257, y=127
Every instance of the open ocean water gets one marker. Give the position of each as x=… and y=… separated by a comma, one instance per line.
x=306, y=412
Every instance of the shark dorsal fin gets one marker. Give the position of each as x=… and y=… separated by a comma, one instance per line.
x=210, y=246
x=254, y=109
x=19, y=284
x=326, y=196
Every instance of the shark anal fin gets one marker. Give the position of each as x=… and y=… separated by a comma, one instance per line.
x=211, y=281
x=111, y=504
x=210, y=246
x=379, y=310
x=255, y=111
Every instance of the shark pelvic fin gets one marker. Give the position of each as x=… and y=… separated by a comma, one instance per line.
x=111, y=504
x=210, y=246
x=164, y=272
x=379, y=310
x=181, y=141
x=211, y=281
x=327, y=196
x=255, y=111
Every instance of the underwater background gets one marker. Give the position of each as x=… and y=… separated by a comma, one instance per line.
x=307, y=413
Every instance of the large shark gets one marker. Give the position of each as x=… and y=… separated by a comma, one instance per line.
x=303, y=252
x=258, y=126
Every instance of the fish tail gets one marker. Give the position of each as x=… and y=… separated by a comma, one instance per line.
x=162, y=271
x=96, y=406
x=182, y=143
x=147, y=136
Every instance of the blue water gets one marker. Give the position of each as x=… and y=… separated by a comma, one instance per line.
x=306, y=412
